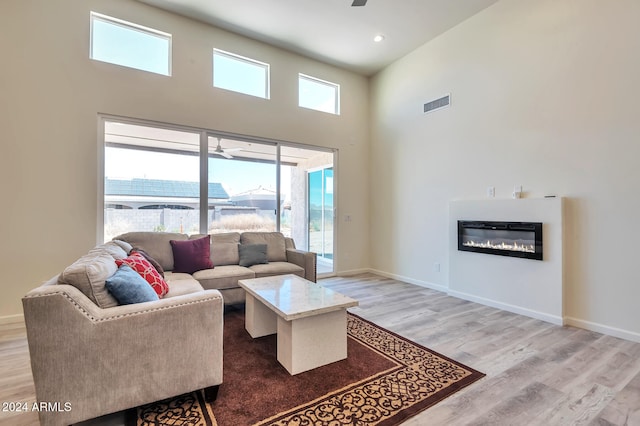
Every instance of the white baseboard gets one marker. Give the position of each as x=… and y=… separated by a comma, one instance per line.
x=604, y=329
x=12, y=319
x=553, y=319
x=352, y=272
x=402, y=278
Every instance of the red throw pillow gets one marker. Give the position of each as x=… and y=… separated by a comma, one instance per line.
x=191, y=255
x=151, y=260
x=146, y=270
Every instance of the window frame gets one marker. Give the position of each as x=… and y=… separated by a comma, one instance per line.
x=204, y=156
x=319, y=81
x=130, y=26
x=242, y=59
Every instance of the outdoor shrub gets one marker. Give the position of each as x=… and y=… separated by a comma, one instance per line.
x=243, y=222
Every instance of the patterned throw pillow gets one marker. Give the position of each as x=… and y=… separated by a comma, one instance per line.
x=146, y=270
x=151, y=260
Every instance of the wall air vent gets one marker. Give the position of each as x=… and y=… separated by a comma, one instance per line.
x=436, y=104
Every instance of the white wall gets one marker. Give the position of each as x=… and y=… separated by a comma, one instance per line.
x=524, y=286
x=545, y=95
x=51, y=94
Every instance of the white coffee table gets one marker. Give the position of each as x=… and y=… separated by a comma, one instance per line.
x=310, y=320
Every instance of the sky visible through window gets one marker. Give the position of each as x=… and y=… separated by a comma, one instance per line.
x=234, y=175
x=318, y=95
x=240, y=75
x=117, y=44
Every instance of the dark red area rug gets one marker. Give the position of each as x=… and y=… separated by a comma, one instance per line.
x=384, y=380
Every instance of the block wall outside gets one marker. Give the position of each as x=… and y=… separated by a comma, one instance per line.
x=163, y=220
x=170, y=220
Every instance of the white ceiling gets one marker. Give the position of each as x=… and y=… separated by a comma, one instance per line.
x=332, y=30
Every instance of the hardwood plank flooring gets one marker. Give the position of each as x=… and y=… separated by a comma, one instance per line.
x=537, y=373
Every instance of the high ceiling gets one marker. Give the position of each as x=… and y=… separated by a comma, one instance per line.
x=332, y=30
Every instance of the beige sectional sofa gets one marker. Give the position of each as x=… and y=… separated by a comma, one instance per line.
x=91, y=356
x=283, y=258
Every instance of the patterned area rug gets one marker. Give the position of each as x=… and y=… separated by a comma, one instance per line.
x=187, y=409
x=385, y=380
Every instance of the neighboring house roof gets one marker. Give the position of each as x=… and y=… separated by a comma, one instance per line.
x=161, y=188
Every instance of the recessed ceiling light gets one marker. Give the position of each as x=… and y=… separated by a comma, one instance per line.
x=378, y=38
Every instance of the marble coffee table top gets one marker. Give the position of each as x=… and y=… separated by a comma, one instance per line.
x=292, y=297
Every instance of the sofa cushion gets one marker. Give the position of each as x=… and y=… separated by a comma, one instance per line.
x=226, y=237
x=183, y=286
x=252, y=254
x=88, y=274
x=171, y=277
x=191, y=255
x=223, y=277
x=128, y=287
x=156, y=244
x=123, y=244
x=276, y=251
x=142, y=266
x=277, y=268
x=224, y=247
x=111, y=248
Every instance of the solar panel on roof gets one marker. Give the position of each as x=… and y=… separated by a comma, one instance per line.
x=158, y=187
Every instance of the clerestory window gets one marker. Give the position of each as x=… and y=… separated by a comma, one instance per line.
x=131, y=45
x=319, y=95
x=240, y=74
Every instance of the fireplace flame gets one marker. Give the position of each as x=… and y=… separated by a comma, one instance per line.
x=530, y=248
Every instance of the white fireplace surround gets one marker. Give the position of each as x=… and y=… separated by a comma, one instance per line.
x=524, y=286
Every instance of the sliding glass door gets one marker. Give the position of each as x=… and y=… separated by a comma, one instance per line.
x=307, y=187
x=320, y=224
x=151, y=179
x=242, y=186
x=199, y=181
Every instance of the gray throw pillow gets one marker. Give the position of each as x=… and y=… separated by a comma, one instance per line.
x=252, y=254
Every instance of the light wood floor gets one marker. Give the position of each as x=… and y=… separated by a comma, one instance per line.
x=537, y=373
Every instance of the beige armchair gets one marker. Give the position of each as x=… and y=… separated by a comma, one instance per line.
x=95, y=361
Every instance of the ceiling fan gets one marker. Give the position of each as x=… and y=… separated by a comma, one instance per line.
x=359, y=2
x=224, y=152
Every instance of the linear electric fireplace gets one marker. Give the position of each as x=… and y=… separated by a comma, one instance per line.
x=515, y=239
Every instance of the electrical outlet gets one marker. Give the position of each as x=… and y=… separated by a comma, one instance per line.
x=491, y=191
x=517, y=192
x=436, y=267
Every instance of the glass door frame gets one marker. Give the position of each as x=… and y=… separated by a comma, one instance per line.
x=204, y=135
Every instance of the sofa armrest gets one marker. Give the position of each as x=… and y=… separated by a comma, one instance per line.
x=107, y=360
x=304, y=259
